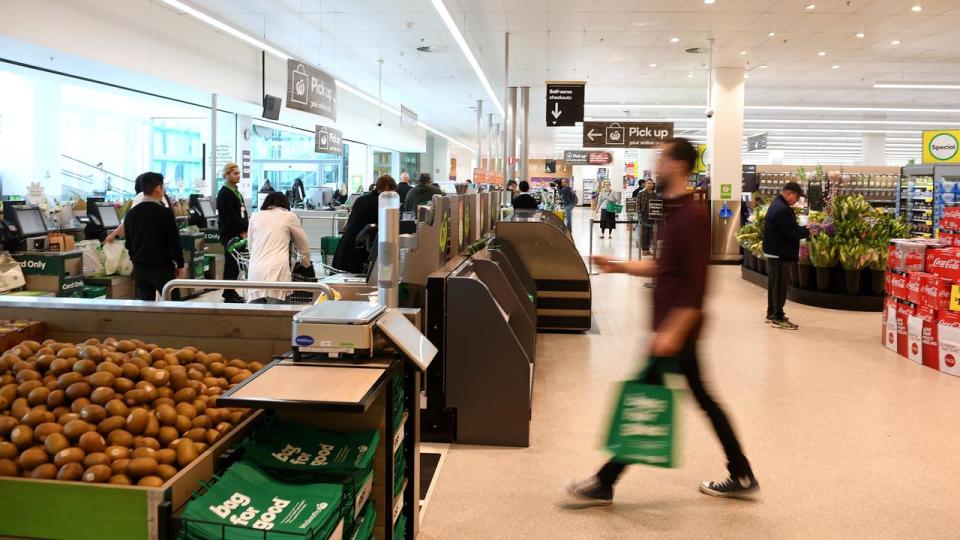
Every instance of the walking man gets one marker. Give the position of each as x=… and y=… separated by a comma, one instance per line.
x=646, y=224
x=681, y=277
x=781, y=247
x=568, y=199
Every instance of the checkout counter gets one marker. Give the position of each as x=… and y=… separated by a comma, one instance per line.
x=539, y=241
x=25, y=235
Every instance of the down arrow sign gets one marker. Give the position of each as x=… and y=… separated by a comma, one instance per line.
x=556, y=111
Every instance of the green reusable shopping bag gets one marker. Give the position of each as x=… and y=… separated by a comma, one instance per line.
x=643, y=429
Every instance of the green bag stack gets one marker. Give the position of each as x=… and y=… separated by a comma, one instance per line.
x=303, y=454
x=365, y=523
x=245, y=502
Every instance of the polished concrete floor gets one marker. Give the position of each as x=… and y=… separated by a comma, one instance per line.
x=847, y=439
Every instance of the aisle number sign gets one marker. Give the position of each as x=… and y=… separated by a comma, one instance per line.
x=941, y=146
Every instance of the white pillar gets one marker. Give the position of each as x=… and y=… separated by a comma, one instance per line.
x=523, y=125
x=874, y=149
x=479, y=162
x=725, y=132
x=510, y=135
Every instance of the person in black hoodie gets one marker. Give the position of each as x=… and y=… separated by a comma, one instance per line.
x=404, y=186
x=525, y=200
x=233, y=220
x=153, y=240
x=350, y=257
x=781, y=246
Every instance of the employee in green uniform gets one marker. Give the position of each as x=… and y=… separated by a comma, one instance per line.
x=233, y=220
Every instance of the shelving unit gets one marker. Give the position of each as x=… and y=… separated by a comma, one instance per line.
x=878, y=185
x=923, y=192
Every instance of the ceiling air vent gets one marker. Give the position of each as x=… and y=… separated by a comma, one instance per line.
x=425, y=49
x=696, y=50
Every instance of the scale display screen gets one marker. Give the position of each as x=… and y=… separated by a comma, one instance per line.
x=108, y=216
x=31, y=222
x=206, y=208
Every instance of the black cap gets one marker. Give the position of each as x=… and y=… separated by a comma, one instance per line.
x=794, y=187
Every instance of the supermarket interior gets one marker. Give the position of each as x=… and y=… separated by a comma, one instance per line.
x=474, y=269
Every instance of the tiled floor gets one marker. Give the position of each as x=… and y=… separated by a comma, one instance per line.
x=848, y=440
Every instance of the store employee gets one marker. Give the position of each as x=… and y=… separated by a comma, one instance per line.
x=153, y=240
x=232, y=218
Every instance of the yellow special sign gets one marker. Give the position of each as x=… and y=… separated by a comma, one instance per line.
x=701, y=161
x=941, y=146
x=955, y=298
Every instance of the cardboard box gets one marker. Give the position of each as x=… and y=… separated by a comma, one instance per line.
x=930, y=292
x=944, y=292
x=898, y=285
x=922, y=337
x=14, y=332
x=904, y=311
x=948, y=332
x=61, y=242
x=915, y=284
x=118, y=287
x=949, y=237
x=944, y=262
x=59, y=272
x=889, y=334
x=906, y=255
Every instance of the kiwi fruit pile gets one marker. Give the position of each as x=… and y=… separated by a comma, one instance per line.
x=117, y=411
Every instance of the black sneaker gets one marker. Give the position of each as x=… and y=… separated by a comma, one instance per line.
x=590, y=492
x=738, y=487
x=785, y=324
x=769, y=320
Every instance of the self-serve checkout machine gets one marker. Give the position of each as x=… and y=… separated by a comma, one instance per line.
x=25, y=236
x=102, y=218
x=540, y=242
x=203, y=215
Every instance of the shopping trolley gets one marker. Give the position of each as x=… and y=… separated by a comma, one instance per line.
x=237, y=248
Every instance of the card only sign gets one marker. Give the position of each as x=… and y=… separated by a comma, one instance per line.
x=311, y=90
x=328, y=140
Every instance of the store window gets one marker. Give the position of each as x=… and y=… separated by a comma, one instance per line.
x=382, y=163
x=281, y=155
x=410, y=164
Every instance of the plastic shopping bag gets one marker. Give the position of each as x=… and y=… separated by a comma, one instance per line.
x=92, y=260
x=643, y=429
x=112, y=253
x=11, y=275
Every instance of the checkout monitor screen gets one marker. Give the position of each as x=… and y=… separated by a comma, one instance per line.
x=108, y=216
x=206, y=208
x=31, y=222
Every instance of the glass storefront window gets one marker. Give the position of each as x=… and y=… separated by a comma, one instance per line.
x=410, y=164
x=281, y=156
x=382, y=163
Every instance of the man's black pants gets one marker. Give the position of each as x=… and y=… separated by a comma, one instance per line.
x=230, y=272
x=777, y=272
x=149, y=281
x=646, y=234
x=737, y=463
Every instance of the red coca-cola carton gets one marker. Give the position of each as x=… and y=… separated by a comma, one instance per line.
x=889, y=338
x=898, y=285
x=944, y=289
x=950, y=238
x=944, y=262
x=951, y=218
x=906, y=255
x=915, y=283
x=948, y=343
x=930, y=292
x=905, y=310
x=922, y=337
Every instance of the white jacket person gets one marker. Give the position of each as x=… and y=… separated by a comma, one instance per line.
x=269, y=235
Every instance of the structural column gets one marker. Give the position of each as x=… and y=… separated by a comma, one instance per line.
x=523, y=122
x=510, y=135
x=479, y=162
x=724, y=140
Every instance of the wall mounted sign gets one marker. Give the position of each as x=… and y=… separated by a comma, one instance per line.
x=310, y=89
x=941, y=146
x=564, y=103
x=586, y=157
x=757, y=142
x=625, y=134
x=328, y=140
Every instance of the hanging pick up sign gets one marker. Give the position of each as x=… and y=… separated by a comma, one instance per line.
x=626, y=134
x=583, y=157
x=328, y=140
x=311, y=90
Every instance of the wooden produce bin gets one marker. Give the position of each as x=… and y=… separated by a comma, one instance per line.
x=79, y=511
x=118, y=287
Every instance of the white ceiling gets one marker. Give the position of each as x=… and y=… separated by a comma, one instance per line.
x=611, y=44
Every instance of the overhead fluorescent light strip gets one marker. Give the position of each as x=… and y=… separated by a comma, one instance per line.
x=193, y=12
x=917, y=85
x=471, y=59
x=834, y=108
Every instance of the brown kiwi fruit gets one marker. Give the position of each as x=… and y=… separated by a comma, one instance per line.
x=111, y=424
x=212, y=436
x=78, y=404
x=137, y=420
x=187, y=395
x=41, y=432
x=73, y=430
x=46, y=471
x=201, y=447
x=120, y=466
x=38, y=396
x=116, y=407
x=85, y=367
x=93, y=413
x=123, y=385
x=121, y=480
x=22, y=436
x=135, y=397
x=118, y=452
x=56, y=398
x=67, y=352
x=120, y=437
x=96, y=458
x=9, y=467
x=92, y=442
x=24, y=389
x=97, y=474
x=102, y=395
x=149, y=390
x=19, y=407
x=150, y=481
x=186, y=409
x=167, y=435
x=183, y=424
x=91, y=352
x=196, y=435
x=78, y=390
x=59, y=366
x=148, y=442
x=202, y=421
x=69, y=455
x=7, y=423
x=166, y=456
x=166, y=393
x=66, y=418
x=143, y=452
x=166, y=471
x=111, y=368
x=32, y=457
x=70, y=472
x=8, y=450
x=67, y=379
x=126, y=345
x=224, y=427
x=24, y=375
x=186, y=453
x=36, y=417
x=140, y=467
x=100, y=378
x=55, y=442
x=153, y=426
